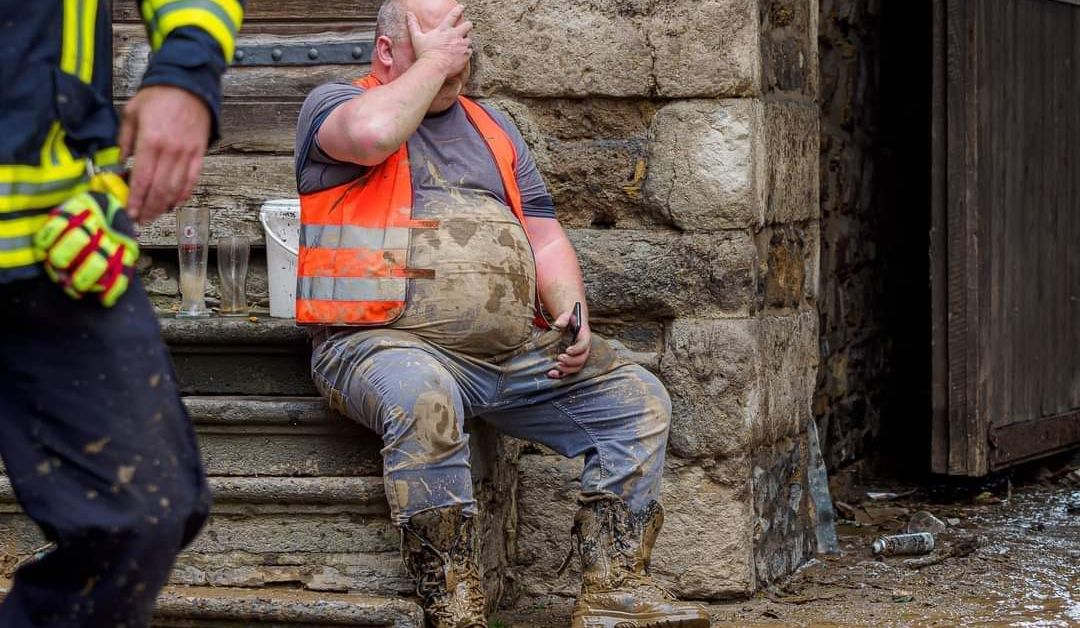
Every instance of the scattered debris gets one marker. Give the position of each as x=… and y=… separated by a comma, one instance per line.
x=924, y=521
x=903, y=544
x=885, y=497
x=960, y=548
x=986, y=498
x=877, y=514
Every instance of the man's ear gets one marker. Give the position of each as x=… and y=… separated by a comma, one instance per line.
x=384, y=51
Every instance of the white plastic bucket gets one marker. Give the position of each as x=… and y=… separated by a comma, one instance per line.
x=281, y=221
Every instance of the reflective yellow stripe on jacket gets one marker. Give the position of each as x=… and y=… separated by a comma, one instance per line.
x=28, y=192
x=220, y=18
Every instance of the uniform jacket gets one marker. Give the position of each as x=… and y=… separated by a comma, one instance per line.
x=56, y=96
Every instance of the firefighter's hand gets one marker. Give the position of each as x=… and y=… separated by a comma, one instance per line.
x=167, y=129
x=447, y=44
x=576, y=355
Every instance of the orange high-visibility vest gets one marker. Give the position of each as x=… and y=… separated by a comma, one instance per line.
x=353, y=266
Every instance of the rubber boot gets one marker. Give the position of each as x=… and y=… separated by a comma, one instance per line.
x=615, y=547
x=439, y=550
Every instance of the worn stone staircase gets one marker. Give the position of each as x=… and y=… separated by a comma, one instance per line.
x=299, y=533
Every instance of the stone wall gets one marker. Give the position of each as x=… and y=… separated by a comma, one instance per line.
x=853, y=340
x=873, y=384
x=680, y=140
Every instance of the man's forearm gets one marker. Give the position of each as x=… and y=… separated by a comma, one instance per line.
x=372, y=126
x=558, y=277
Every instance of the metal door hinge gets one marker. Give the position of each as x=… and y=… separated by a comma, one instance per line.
x=325, y=53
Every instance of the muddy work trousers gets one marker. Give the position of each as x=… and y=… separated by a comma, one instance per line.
x=416, y=396
x=101, y=456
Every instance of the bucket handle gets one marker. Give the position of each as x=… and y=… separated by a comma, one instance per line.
x=273, y=236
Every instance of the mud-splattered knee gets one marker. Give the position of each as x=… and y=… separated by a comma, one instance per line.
x=657, y=402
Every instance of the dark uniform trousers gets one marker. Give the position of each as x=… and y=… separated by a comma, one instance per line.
x=100, y=452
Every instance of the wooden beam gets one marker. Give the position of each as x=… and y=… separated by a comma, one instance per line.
x=131, y=51
x=939, y=458
x=264, y=10
x=1027, y=440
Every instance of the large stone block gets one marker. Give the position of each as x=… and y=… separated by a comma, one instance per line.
x=789, y=355
x=548, y=488
x=561, y=48
x=707, y=164
x=705, y=48
x=783, y=522
x=736, y=384
x=647, y=274
x=712, y=371
x=670, y=48
x=704, y=551
x=597, y=183
x=592, y=155
x=789, y=47
x=709, y=504
x=792, y=161
x=790, y=273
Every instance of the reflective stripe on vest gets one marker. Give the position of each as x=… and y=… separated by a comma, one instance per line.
x=354, y=243
x=28, y=192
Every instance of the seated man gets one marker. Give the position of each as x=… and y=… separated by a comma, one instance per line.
x=428, y=244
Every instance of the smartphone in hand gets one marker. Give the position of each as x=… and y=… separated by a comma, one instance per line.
x=575, y=323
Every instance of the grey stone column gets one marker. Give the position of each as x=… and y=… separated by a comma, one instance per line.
x=680, y=139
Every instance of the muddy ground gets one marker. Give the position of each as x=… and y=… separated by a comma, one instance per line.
x=1010, y=555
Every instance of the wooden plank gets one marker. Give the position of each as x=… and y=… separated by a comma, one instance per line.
x=1019, y=442
x=270, y=10
x=130, y=53
x=963, y=449
x=981, y=218
x=248, y=127
x=234, y=187
x=1073, y=250
x=939, y=448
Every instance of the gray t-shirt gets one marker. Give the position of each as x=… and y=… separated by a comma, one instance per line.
x=445, y=153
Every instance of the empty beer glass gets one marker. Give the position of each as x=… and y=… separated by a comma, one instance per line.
x=232, y=264
x=193, y=238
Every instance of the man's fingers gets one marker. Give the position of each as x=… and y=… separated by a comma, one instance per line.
x=168, y=179
x=464, y=28
x=453, y=16
x=194, y=169
x=563, y=321
x=142, y=176
x=128, y=131
x=413, y=24
x=578, y=348
x=572, y=360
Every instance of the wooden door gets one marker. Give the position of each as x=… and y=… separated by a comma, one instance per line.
x=1005, y=245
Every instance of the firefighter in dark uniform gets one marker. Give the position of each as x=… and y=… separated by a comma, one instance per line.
x=95, y=442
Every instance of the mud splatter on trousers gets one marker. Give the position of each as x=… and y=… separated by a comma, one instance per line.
x=100, y=452
x=417, y=395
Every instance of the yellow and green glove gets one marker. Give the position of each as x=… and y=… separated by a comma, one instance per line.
x=82, y=249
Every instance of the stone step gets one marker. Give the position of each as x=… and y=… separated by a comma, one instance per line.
x=190, y=607
x=328, y=534
x=281, y=436
x=182, y=607
x=239, y=356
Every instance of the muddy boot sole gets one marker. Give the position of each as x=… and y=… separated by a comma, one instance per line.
x=689, y=618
